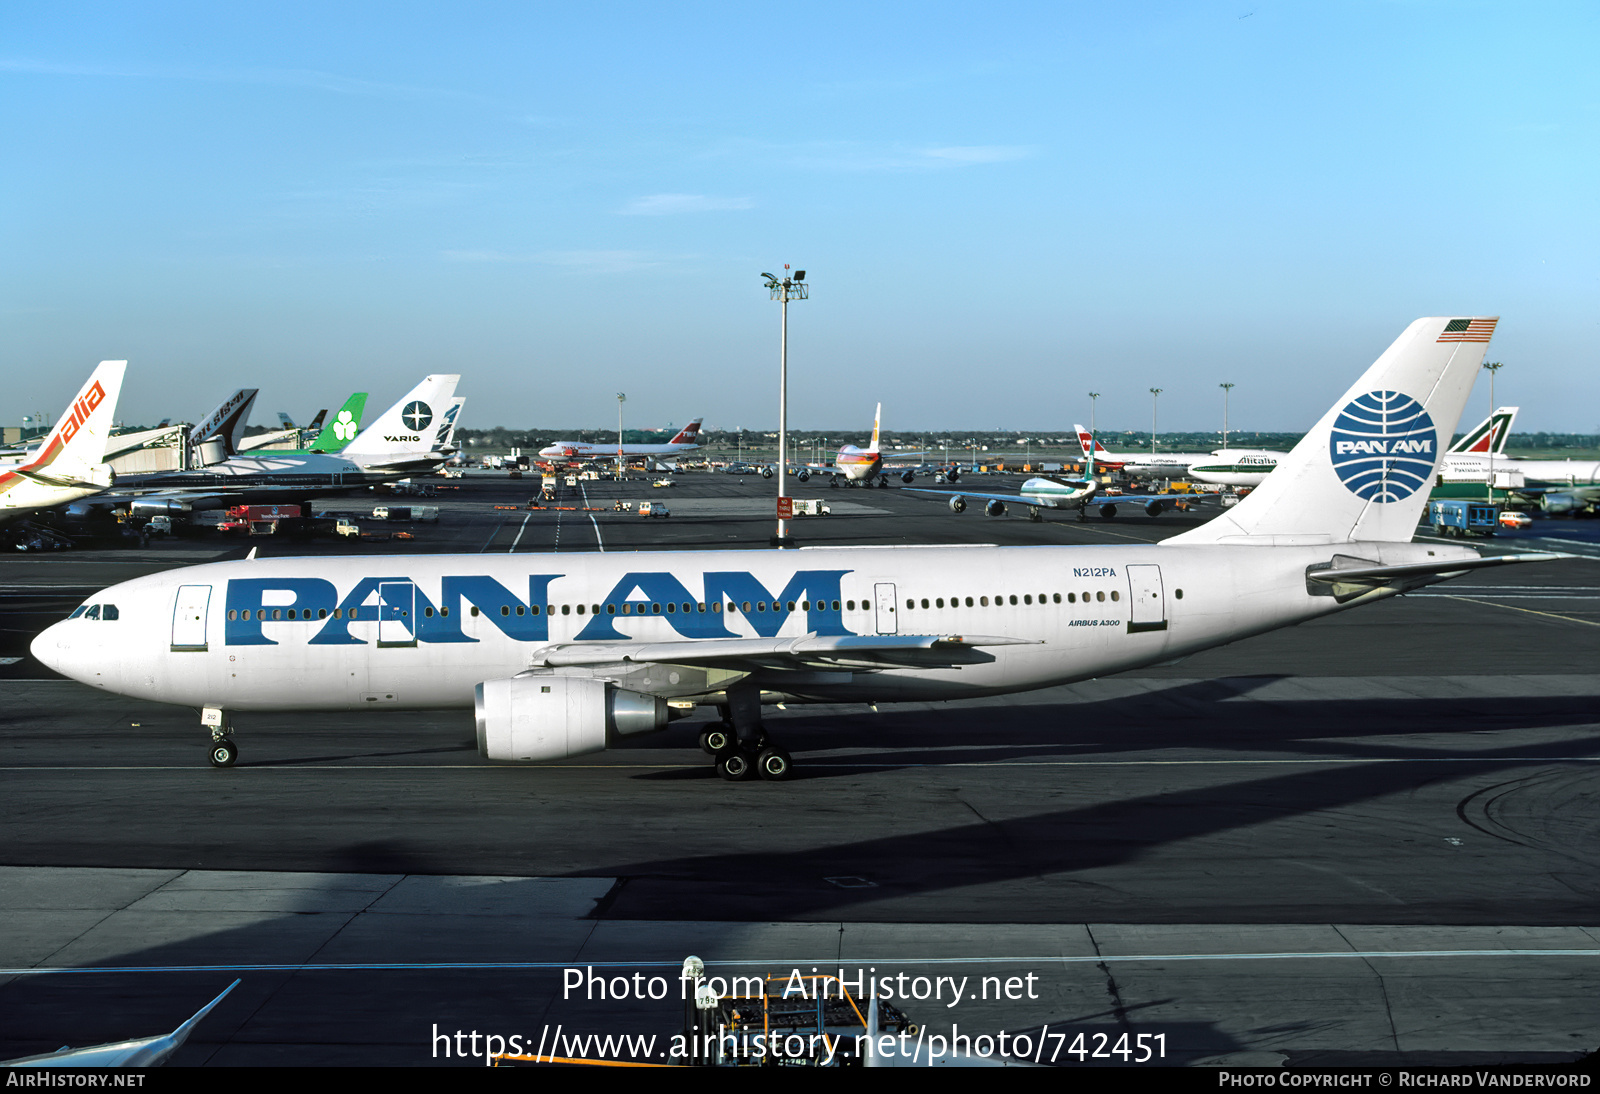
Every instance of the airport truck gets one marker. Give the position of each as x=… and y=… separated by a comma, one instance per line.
x=1460, y=517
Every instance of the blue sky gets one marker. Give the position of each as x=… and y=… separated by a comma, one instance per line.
x=999, y=210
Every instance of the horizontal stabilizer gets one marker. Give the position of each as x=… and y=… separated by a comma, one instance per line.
x=1384, y=575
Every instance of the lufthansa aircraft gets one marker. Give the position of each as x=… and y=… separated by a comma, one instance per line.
x=562, y=655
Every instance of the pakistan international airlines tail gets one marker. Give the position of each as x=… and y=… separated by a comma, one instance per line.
x=1364, y=470
x=70, y=463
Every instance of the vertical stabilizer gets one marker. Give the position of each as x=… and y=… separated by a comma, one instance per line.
x=405, y=432
x=877, y=416
x=226, y=423
x=77, y=444
x=689, y=434
x=344, y=427
x=1488, y=436
x=1364, y=470
x=444, y=440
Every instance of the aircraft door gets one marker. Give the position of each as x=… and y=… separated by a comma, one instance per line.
x=887, y=620
x=1147, y=599
x=189, y=618
x=396, y=614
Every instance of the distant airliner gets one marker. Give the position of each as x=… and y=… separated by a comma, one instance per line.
x=687, y=440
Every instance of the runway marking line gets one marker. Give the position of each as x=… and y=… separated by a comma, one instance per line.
x=1067, y=959
x=1514, y=608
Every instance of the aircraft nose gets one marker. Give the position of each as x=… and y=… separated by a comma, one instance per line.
x=47, y=647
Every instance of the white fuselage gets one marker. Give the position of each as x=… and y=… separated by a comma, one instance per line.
x=1235, y=467
x=582, y=450
x=422, y=631
x=1475, y=467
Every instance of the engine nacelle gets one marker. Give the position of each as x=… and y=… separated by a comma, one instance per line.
x=1155, y=508
x=1108, y=511
x=766, y=472
x=995, y=508
x=156, y=507
x=804, y=474
x=1560, y=503
x=958, y=504
x=532, y=718
x=908, y=477
x=952, y=475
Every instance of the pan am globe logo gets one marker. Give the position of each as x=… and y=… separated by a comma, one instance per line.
x=1383, y=446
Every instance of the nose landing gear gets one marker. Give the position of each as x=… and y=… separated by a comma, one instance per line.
x=223, y=751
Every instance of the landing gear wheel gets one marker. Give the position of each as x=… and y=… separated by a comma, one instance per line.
x=716, y=739
x=224, y=753
x=736, y=766
x=774, y=764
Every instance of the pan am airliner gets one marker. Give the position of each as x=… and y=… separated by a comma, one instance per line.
x=562, y=655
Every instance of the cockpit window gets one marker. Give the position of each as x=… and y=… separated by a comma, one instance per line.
x=109, y=612
x=93, y=612
x=79, y=610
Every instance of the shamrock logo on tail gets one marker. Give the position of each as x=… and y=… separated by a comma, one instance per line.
x=344, y=426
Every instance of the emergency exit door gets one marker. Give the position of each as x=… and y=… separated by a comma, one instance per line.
x=189, y=618
x=886, y=617
x=1147, y=600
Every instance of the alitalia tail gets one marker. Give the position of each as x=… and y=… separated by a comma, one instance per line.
x=69, y=463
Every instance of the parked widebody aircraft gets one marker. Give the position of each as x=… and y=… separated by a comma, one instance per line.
x=858, y=465
x=69, y=463
x=1221, y=467
x=1558, y=486
x=1060, y=492
x=400, y=443
x=562, y=655
x=686, y=440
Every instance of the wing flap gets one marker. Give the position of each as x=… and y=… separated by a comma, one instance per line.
x=804, y=649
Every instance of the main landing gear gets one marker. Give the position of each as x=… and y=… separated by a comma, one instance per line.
x=223, y=751
x=739, y=744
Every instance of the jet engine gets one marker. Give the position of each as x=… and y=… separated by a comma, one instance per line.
x=1557, y=503
x=908, y=477
x=804, y=474
x=766, y=472
x=952, y=475
x=995, y=508
x=958, y=504
x=553, y=717
x=156, y=507
x=1155, y=508
x=1108, y=511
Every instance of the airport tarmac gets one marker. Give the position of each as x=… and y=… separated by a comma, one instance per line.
x=1368, y=839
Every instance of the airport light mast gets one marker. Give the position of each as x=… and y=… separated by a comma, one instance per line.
x=1155, y=397
x=1494, y=369
x=621, y=398
x=1227, y=389
x=784, y=289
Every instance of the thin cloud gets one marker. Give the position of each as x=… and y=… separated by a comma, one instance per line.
x=658, y=205
x=595, y=262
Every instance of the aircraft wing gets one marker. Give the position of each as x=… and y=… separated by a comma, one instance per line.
x=143, y=1052
x=806, y=650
